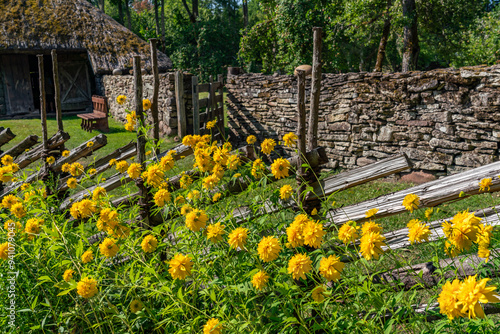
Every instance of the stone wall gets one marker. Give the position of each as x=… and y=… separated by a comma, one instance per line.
x=113, y=85
x=445, y=120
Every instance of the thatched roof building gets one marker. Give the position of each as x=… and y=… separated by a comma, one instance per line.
x=89, y=43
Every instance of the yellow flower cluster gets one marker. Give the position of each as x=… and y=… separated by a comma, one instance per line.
x=75, y=169
x=305, y=231
x=251, y=139
x=88, y=256
x=146, y=104
x=83, y=209
x=462, y=299
x=134, y=170
x=180, y=266
x=87, y=287
x=196, y=220
x=211, y=124
x=68, y=275
x=371, y=241
x=280, y=168
x=154, y=175
x=286, y=191
x=8, y=168
x=290, y=139
x=121, y=166
x=131, y=121
x=259, y=280
x=161, y=197
x=299, y=265
x=108, y=247
x=258, y=168
x=212, y=326
x=238, y=237
x=149, y=244
x=215, y=232
x=331, y=267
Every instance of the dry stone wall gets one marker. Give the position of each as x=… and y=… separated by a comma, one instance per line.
x=113, y=85
x=445, y=120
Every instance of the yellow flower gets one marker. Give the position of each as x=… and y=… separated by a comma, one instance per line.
x=87, y=256
x=66, y=167
x=196, y=220
x=286, y=191
x=68, y=275
x=50, y=160
x=186, y=181
x=136, y=306
x=180, y=266
x=146, y=104
x=167, y=163
x=11, y=225
x=472, y=293
x=121, y=166
x=485, y=183
x=161, y=197
x=370, y=227
x=7, y=160
x=251, y=139
x=428, y=213
x=25, y=186
x=112, y=162
x=33, y=227
x=211, y=124
x=120, y=99
x=130, y=126
x=149, y=244
x=483, y=252
x=258, y=168
x=331, y=267
x=108, y=247
x=18, y=210
x=370, y=213
x=259, y=280
x=83, y=209
x=76, y=169
x=212, y=327
x=290, y=139
x=348, y=232
x=294, y=231
x=179, y=200
x=371, y=245
x=210, y=181
x=193, y=195
x=411, y=202
x=90, y=144
x=462, y=232
x=65, y=153
x=119, y=231
x=87, y=287
x=9, y=200
x=134, y=171
x=418, y=232
x=269, y=248
x=318, y=294
x=267, y=146
x=280, y=168
x=186, y=208
x=216, y=197
x=98, y=193
x=238, y=237
x=233, y=161
x=299, y=265
x=154, y=175
x=448, y=299
x=92, y=171
x=313, y=234
x=4, y=251
x=215, y=232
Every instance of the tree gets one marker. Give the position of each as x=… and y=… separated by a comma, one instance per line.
x=411, y=48
x=384, y=38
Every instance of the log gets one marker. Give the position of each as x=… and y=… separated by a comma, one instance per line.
x=57, y=91
x=156, y=87
x=20, y=148
x=180, y=151
x=179, y=99
x=43, y=110
x=196, y=107
x=102, y=164
x=6, y=136
x=360, y=175
x=36, y=153
x=312, y=134
x=301, y=130
x=431, y=194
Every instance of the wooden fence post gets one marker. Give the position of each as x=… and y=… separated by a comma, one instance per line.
x=43, y=111
x=179, y=99
x=312, y=136
x=156, y=87
x=57, y=92
x=301, y=130
x=196, y=106
x=220, y=111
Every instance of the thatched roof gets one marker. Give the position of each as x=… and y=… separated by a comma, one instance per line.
x=28, y=25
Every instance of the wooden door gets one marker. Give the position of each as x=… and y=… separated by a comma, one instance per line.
x=19, y=94
x=75, y=86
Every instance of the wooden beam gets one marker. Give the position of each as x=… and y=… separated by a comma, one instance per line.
x=20, y=148
x=36, y=153
x=454, y=187
x=360, y=175
x=179, y=100
x=57, y=91
x=301, y=130
x=196, y=107
x=312, y=135
x=43, y=110
x=6, y=136
x=220, y=110
x=156, y=87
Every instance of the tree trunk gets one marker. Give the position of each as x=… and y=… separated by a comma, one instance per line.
x=129, y=19
x=163, y=25
x=120, y=12
x=245, y=13
x=101, y=5
x=195, y=9
x=411, y=48
x=157, y=21
x=383, y=39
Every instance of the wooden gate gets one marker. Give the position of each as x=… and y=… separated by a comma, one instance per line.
x=213, y=107
x=19, y=95
x=75, y=86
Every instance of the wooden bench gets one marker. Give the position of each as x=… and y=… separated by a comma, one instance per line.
x=98, y=119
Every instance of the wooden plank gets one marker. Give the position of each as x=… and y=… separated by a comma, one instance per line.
x=19, y=94
x=431, y=194
x=312, y=134
x=360, y=175
x=196, y=107
x=220, y=109
x=204, y=88
x=301, y=129
x=6, y=135
x=203, y=103
x=57, y=91
x=179, y=100
x=43, y=110
x=19, y=149
x=36, y=153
